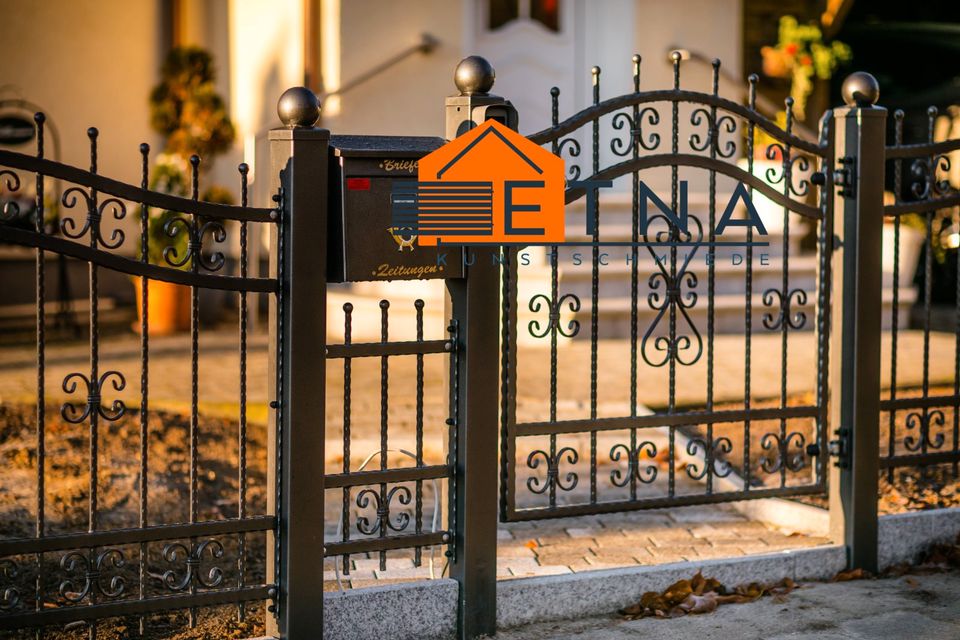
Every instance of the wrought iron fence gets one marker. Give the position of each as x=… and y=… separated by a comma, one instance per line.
x=129, y=564
x=711, y=450
x=921, y=425
x=386, y=489
x=672, y=338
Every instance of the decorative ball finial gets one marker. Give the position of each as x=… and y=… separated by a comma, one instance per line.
x=474, y=76
x=298, y=107
x=860, y=89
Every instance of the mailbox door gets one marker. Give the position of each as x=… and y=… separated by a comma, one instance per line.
x=372, y=249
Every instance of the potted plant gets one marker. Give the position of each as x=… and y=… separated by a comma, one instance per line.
x=186, y=109
x=802, y=56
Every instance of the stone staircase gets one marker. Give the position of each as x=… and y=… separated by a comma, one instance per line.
x=730, y=271
x=614, y=283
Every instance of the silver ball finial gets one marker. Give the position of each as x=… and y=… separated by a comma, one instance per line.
x=474, y=76
x=860, y=89
x=298, y=107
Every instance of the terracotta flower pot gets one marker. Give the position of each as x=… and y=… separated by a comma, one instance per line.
x=168, y=307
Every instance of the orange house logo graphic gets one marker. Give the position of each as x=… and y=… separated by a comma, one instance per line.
x=489, y=186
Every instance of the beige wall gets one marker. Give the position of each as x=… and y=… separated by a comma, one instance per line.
x=407, y=98
x=86, y=63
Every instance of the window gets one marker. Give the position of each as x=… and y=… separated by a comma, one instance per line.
x=502, y=12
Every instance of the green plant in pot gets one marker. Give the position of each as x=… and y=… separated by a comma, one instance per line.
x=186, y=109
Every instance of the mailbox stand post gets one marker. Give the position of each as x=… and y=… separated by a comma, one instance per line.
x=472, y=304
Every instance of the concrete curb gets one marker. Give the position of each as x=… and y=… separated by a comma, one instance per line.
x=427, y=610
x=902, y=536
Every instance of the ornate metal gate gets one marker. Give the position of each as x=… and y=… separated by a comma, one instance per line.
x=563, y=458
x=129, y=557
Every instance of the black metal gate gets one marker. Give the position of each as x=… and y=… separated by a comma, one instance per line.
x=131, y=558
x=597, y=457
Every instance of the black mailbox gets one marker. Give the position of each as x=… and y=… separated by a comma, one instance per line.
x=364, y=244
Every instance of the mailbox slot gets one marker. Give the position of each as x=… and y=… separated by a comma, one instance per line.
x=363, y=245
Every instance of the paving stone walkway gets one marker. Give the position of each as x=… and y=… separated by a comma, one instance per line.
x=586, y=543
x=925, y=607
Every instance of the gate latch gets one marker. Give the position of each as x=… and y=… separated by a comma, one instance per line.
x=840, y=449
x=846, y=177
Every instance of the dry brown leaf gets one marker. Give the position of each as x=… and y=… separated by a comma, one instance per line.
x=531, y=544
x=701, y=595
x=852, y=574
x=704, y=603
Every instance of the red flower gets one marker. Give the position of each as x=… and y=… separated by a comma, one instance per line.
x=806, y=61
x=791, y=48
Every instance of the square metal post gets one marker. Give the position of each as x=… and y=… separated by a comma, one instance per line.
x=298, y=171
x=856, y=330
x=473, y=304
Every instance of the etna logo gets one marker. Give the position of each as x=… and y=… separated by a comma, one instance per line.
x=493, y=186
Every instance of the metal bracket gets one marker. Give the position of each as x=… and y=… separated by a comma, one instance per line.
x=840, y=448
x=845, y=177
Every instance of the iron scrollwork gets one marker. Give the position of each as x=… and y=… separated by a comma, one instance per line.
x=538, y=486
x=192, y=562
x=195, y=237
x=10, y=210
x=646, y=475
x=788, y=170
x=925, y=170
x=794, y=320
x=383, y=523
x=781, y=447
x=9, y=594
x=90, y=568
x=712, y=452
x=72, y=414
x=667, y=295
x=92, y=222
x=553, y=321
x=622, y=147
x=574, y=152
x=922, y=423
x=711, y=139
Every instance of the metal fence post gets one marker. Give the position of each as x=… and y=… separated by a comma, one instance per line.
x=298, y=174
x=855, y=338
x=472, y=303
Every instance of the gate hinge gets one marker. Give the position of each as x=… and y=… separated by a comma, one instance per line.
x=840, y=448
x=846, y=177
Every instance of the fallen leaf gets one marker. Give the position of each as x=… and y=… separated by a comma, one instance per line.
x=852, y=574
x=531, y=544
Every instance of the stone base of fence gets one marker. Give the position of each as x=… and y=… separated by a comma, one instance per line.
x=427, y=610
